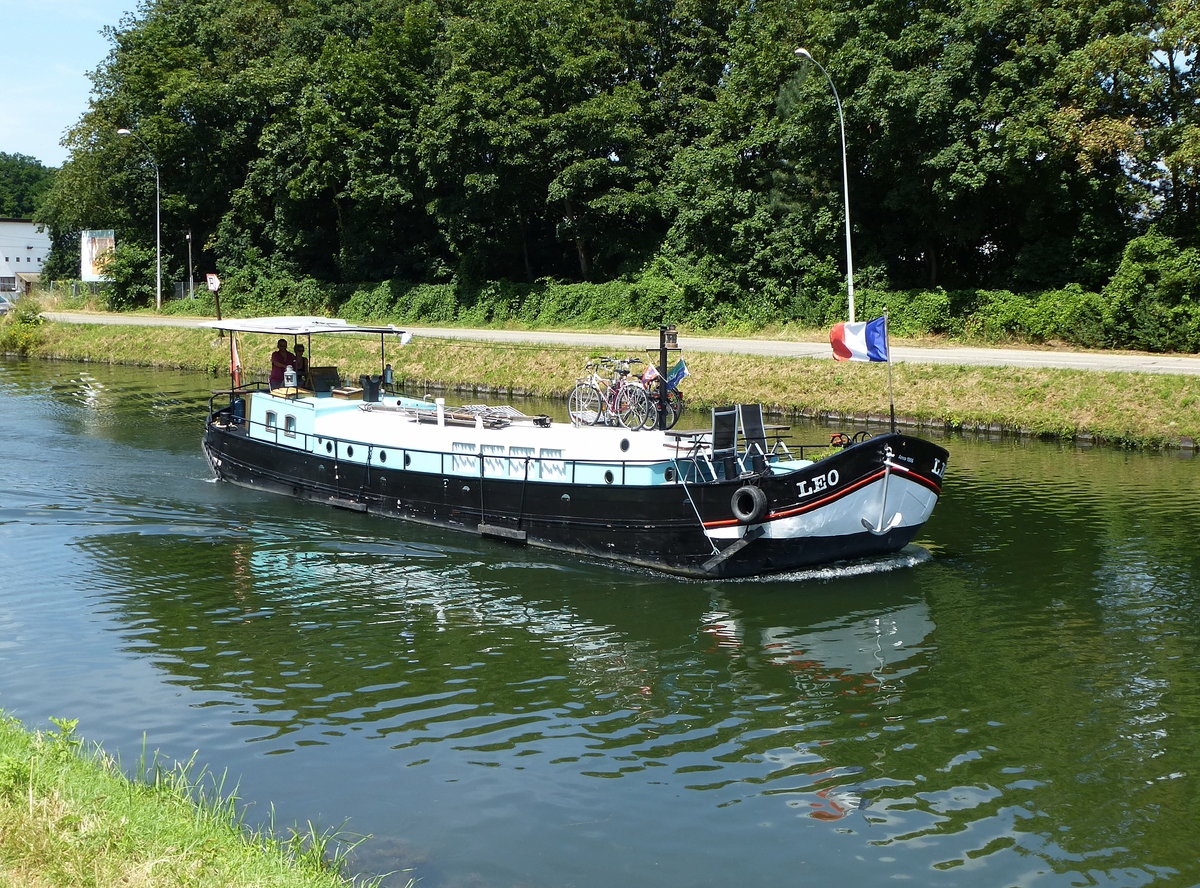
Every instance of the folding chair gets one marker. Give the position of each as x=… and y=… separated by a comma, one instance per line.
x=724, y=440
x=754, y=435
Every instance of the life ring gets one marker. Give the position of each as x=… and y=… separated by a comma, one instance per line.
x=748, y=504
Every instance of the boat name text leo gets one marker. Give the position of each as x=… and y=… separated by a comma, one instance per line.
x=808, y=486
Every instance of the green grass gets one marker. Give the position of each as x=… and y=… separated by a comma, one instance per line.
x=1124, y=409
x=69, y=817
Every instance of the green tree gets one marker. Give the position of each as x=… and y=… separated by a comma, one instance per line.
x=23, y=181
x=990, y=144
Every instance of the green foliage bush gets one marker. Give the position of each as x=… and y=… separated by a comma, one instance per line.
x=548, y=303
x=21, y=331
x=1000, y=315
x=656, y=297
x=912, y=312
x=132, y=270
x=1152, y=304
x=1152, y=301
x=1072, y=315
x=252, y=291
x=430, y=302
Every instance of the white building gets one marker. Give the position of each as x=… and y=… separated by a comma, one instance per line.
x=23, y=251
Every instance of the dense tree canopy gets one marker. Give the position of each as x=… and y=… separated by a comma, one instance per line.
x=23, y=181
x=991, y=143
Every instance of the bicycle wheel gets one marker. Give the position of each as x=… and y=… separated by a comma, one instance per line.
x=634, y=410
x=584, y=405
x=675, y=407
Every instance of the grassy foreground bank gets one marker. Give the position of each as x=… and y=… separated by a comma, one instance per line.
x=1124, y=409
x=69, y=817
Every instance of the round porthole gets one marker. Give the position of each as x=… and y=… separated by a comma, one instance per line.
x=329, y=447
x=383, y=456
x=608, y=477
x=566, y=497
x=624, y=445
x=349, y=451
x=407, y=460
x=670, y=474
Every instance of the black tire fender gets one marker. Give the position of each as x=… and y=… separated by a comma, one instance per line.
x=748, y=504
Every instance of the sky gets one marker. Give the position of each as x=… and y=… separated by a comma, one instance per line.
x=49, y=48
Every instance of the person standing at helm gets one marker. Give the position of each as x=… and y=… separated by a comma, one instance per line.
x=281, y=359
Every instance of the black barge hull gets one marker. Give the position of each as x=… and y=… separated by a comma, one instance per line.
x=691, y=530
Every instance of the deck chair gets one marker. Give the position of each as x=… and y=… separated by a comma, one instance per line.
x=755, y=437
x=324, y=379
x=724, y=440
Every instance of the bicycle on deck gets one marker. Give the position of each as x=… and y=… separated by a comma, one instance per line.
x=616, y=398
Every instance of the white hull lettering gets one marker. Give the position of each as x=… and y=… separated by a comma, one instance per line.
x=808, y=487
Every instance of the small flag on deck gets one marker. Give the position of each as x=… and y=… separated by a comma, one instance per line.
x=677, y=372
x=864, y=341
x=235, y=362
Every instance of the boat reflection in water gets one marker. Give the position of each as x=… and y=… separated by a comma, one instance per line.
x=864, y=657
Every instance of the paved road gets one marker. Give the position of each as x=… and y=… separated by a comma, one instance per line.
x=601, y=342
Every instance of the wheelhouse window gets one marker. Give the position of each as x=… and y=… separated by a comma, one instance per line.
x=289, y=426
x=272, y=419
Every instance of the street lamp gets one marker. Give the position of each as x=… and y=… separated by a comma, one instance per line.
x=805, y=54
x=191, y=277
x=157, y=219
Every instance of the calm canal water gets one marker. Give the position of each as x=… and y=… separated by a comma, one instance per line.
x=1013, y=702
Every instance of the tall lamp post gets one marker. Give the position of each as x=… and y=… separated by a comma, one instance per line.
x=157, y=219
x=805, y=54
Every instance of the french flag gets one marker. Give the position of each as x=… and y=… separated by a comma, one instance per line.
x=865, y=341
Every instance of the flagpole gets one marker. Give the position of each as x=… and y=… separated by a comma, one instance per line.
x=888, y=344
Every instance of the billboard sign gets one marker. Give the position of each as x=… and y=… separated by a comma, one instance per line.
x=95, y=248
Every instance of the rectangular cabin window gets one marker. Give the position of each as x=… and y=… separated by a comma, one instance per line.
x=272, y=419
x=494, y=462
x=552, y=465
x=289, y=426
x=463, y=459
x=516, y=461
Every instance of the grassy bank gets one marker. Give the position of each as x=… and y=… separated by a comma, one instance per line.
x=69, y=817
x=1124, y=409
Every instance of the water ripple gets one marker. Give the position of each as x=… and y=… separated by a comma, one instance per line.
x=1011, y=701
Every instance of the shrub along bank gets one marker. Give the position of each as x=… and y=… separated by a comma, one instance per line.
x=1125, y=409
x=1151, y=303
